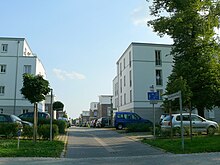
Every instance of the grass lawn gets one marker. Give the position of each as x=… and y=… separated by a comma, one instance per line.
x=197, y=145
x=42, y=148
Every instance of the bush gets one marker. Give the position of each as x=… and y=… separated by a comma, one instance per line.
x=138, y=127
x=44, y=131
x=27, y=131
x=61, y=126
x=9, y=129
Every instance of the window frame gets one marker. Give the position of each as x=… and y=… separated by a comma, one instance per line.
x=3, y=68
x=2, y=90
x=4, y=48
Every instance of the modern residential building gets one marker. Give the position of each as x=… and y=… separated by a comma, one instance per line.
x=93, y=110
x=16, y=58
x=140, y=67
x=84, y=118
x=105, y=106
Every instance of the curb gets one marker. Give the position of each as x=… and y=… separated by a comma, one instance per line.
x=65, y=139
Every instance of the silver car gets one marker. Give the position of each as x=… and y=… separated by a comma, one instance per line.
x=199, y=124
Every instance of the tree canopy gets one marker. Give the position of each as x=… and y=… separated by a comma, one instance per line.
x=58, y=106
x=192, y=24
x=35, y=88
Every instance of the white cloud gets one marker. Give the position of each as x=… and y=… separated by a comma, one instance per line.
x=141, y=15
x=63, y=75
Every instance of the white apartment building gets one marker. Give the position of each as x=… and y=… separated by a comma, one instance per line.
x=141, y=66
x=93, y=110
x=16, y=58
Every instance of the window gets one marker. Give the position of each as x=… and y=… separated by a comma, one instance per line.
x=1, y=110
x=2, y=90
x=158, y=58
x=2, y=68
x=124, y=81
x=130, y=78
x=130, y=96
x=121, y=100
x=124, y=98
x=121, y=85
x=4, y=48
x=27, y=69
x=124, y=63
x=130, y=59
x=3, y=118
x=120, y=69
x=24, y=111
x=158, y=77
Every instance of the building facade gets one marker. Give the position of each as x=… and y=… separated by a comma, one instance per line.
x=93, y=110
x=105, y=106
x=17, y=58
x=140, y=67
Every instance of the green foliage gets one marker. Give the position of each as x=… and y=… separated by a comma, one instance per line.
x=197, y=145
x=62, y=125
x=27, y=131
x=138, y=127
x=191, y=24
x=8, y=148
x=44, y=131
x=9, y=130
x=34, y=88
x=58, y=106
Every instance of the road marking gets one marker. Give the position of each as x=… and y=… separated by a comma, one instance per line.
x=106, y=146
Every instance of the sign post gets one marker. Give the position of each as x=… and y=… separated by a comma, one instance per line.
x=173, y=97
x=153, y=97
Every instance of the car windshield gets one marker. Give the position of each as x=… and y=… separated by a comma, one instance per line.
x=167, y=118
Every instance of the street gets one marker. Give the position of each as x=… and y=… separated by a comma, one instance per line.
x=88, y=146
x=98, y=142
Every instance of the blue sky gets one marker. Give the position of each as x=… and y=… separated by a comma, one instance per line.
x=78, y=41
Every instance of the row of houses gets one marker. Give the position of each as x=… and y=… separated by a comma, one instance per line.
x=141, y=67
x=17, y=58
x=102, y=108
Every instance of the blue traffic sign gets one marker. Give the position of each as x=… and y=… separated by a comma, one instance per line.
x=153, y=95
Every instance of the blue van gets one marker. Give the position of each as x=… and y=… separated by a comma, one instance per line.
x=122, y=119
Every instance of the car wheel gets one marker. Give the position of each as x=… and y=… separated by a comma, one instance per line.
x=120, y=126
x=211, y=130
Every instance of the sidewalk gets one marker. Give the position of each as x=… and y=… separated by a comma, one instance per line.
x=63, y=138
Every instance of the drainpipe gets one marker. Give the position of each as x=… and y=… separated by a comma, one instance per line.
x=16, y=78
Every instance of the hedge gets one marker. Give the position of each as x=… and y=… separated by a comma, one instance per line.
x=9, y=130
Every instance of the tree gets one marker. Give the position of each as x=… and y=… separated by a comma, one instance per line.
x=35, y=88
x=58, y=106
x=191, y=24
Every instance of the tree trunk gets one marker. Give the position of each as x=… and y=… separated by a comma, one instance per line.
x=201, y=111
x=35, y=122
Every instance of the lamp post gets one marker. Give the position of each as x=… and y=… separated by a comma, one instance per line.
x=51, y=115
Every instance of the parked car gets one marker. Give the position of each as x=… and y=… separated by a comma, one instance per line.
x=162, y=117
x=7, y=118
x=199, y=124
x=30, y=115
x=102, y=122
x=122, y=119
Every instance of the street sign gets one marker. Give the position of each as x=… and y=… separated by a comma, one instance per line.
x=173, y=96
x=153, y=96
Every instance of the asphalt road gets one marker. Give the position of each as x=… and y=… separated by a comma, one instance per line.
x=104, y=147
x=97, y=142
